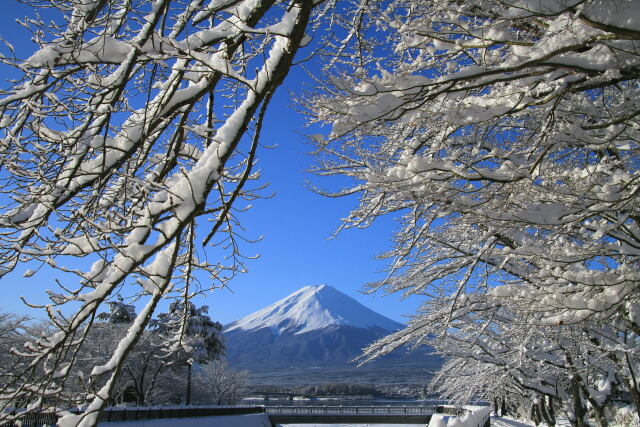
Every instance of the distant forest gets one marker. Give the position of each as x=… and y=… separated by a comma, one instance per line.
x=368, y=391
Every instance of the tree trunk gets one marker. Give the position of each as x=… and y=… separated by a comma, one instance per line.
x=552, y=411
x=495, y=405
x=503, y=410
x=600, y=417
x=534, y=414
x=578, y=407
x=188, y=399
x=635, y=396
x=546, y=410
x=140, y=398
x=632, y=385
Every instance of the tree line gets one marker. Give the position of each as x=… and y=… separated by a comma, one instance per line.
x=158, y=371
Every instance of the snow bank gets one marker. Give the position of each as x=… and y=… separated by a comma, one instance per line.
x=439, y=420
x=474, y=417
x=252, y=420
x=350, y=425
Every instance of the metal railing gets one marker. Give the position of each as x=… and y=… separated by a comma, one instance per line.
x=40, y=419
x=32, y=419
x=154, y=413
x=349, y=410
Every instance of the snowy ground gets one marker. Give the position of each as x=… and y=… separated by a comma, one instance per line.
x=257, y=420
x=352, y=425
x=506, y=422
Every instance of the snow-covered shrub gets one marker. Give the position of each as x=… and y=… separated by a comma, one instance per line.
x=474, y=416
x=623, y=416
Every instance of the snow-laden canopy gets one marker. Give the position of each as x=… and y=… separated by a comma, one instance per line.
x=129, y=137
x=506, y=135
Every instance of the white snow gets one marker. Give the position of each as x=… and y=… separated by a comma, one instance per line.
x=312, y=308
x=352, y=425
x=507, y=422
x=474, y=417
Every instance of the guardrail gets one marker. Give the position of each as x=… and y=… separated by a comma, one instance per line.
x=39, y=419
x=349, y=414
x=154, y=413
x=114, y=414
x=349, y=410
x=32, y=419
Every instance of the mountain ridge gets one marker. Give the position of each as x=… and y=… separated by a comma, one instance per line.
x=313, y=335
x=315, y=326
x=313, y=308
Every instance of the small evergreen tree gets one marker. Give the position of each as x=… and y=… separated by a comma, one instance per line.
x=119, y=312
x=191, y=337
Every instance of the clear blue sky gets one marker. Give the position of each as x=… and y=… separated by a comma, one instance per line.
x=296, y=224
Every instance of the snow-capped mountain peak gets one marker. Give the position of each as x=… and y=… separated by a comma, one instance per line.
x=312, y=308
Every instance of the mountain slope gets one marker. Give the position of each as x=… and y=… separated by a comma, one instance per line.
x=315, y=326
x=312, y=308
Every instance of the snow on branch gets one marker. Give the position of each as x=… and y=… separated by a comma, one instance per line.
x=127, y=134
x=504, y=136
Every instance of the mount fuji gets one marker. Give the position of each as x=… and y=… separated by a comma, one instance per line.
x=315, y=326
x=312, y=308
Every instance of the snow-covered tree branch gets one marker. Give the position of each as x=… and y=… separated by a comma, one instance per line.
x=220, y=384
x=505, y=134
x=128, y=139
